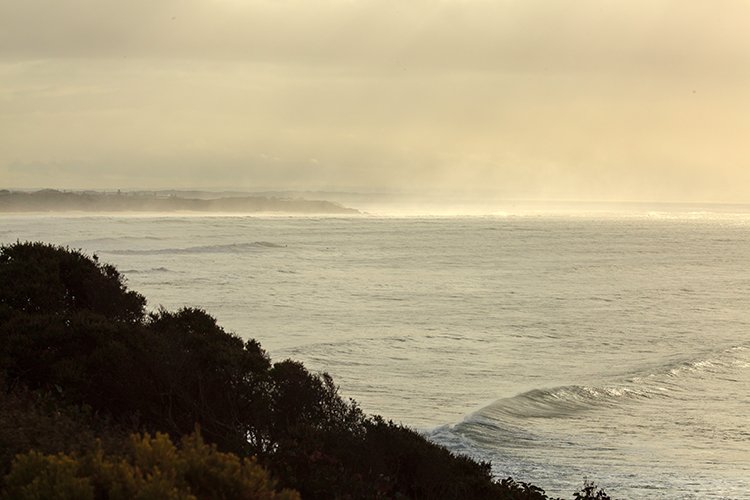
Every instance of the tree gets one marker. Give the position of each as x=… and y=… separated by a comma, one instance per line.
x=38, y=278
x=71, y=332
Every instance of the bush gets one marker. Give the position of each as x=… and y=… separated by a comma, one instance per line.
x=35, y=421
x=152, y=468
x=590, y=491
x=71, y=331
x=48, y=279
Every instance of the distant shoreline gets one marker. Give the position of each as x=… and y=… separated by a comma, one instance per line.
x=51, y=200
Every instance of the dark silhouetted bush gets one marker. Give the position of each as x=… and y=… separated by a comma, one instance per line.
x=45, y=279
x=71, y=331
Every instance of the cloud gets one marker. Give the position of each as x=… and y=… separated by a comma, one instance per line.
x=586, y=99
x=515, y=35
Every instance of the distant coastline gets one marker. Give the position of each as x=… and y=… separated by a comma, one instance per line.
x=52, y=200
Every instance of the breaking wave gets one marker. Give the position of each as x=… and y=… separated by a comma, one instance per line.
x=230, y=248
x=152, y=270
x=569, y=400
x=113, y=239
x=562, y=401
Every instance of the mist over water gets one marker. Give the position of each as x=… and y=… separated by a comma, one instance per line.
x=587, y=343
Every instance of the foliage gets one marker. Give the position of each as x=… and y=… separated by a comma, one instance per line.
x=519, y=489
x=33, y=420
x=37, y=476
x=51, y=280
x=72, y=332
x=152, y=468
x=590, y=491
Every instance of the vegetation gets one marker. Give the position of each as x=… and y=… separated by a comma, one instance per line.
x=48, y=200
x=83, y=367
x=149, y=467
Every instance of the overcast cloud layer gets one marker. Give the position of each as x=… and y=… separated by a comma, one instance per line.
x=593, y=99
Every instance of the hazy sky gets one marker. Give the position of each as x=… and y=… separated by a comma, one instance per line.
x=585, y=99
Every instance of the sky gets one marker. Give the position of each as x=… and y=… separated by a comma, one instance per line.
x=615, y=100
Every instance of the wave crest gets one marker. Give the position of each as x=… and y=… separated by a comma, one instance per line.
x=151, y=270
x=665, y=381
x=562, y=401
x=229, y=248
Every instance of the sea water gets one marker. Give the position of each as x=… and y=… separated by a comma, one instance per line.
x=613, y=347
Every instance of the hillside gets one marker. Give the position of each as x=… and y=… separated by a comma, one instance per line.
x=51, y=200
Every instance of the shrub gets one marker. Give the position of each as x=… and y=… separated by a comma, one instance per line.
x=152, y=468
x=590, y=491
x=72, y=331
x=48, y=279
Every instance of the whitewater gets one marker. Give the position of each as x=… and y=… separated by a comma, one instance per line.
x=557, y=346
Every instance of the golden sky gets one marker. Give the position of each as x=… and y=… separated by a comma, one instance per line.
x=533, y=99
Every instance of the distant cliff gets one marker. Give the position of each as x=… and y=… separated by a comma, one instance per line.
x=51, y=200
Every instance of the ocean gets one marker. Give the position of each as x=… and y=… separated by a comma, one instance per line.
x=607, y=346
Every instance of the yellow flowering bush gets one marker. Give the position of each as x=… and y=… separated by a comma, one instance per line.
x=151, y=468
